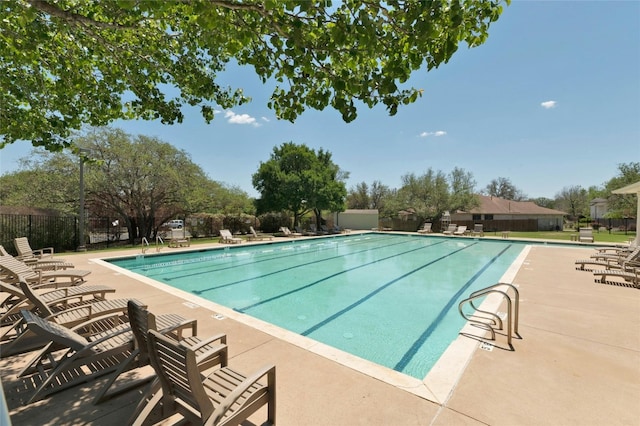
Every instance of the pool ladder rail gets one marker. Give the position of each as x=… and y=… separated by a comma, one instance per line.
x=159, y=244
x=490, y=321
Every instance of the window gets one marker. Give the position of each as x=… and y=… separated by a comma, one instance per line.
x=488, y=217
x=477, y=217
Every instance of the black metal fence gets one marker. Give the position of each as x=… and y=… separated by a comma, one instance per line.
x=59, y=232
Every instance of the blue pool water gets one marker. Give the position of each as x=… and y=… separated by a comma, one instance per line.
x=391, y=299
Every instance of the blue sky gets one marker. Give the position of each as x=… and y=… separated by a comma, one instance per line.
x=551, y=100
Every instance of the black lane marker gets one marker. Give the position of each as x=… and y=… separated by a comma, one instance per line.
x=378, y=290
x=208, y=269
x=408, y=356
x=344, y=271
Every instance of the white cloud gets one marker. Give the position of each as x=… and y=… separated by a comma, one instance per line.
x=548, y=104
x=234, y=118
x=265, y=119
x=436, y=133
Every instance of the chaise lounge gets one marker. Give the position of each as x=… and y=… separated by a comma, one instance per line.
x=226, y=237
x=426, y=228
x=609, y=262
x=12, y=270
x=254, y=236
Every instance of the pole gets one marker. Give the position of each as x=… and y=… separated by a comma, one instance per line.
x=81, y=246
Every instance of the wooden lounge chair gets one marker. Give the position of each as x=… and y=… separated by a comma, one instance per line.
x=208, y=353
x=24, y=340
x=26, y=253
x=451, y=229
x=324, y=229
x=629, y=275
x=84, y=358
x=179, y=238
x=609, y=262
x=287, y=232
x=65, y=297
x=226, y=237
x=254, y=236
x=48, y=263
x=586, y=235
x=615, y=255
x=478, y=230
x=12, y=269
x=426, y=228
x=224, y=397
x=460, y=230
x=615, y=250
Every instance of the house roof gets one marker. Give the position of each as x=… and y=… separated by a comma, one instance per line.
x=495, y=205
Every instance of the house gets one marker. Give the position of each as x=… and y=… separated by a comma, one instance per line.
x=498, y=214
x=598, y=207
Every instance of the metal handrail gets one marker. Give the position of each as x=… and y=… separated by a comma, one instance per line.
x=144, y=240
x=516, y=299
x=512, y=315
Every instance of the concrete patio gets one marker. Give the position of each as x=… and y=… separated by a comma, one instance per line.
x=578, y=362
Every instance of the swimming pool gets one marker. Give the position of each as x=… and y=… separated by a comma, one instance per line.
x=388, y=298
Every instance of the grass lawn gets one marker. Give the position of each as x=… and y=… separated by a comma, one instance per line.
x=599, y=237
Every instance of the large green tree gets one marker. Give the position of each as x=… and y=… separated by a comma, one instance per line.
x=298, y=179
x=142, y=181
x=363, y=196
x=65, y=64
x=434, y=192
x=573, y=200
x=623, y=205
x=503, y=188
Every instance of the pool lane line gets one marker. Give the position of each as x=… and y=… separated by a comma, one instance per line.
x=313, y=262
x=209, y=269
x=278, y=248
x=328, y=277
x=378, y=290
x=413, y=350
x=223, y=253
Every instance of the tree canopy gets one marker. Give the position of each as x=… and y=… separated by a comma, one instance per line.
x=503, y=188
x=298, y=179
x=434, y=192
x=67, y=64
x=140, y=180
x=623, y=205
x=364, y=196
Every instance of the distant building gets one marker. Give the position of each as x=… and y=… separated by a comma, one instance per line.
x=356, y=219
x=598, y=207
x=500, y=214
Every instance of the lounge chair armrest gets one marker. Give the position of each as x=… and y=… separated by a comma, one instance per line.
x=221, y=337
x=109, y=336
x=67, y=311
x=226, y=403
x=89, y=324
x=218, y=351
x=176, y=328
x=43, y=251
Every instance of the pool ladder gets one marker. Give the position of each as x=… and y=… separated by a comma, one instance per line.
x=490, y=321
x=159, y=244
